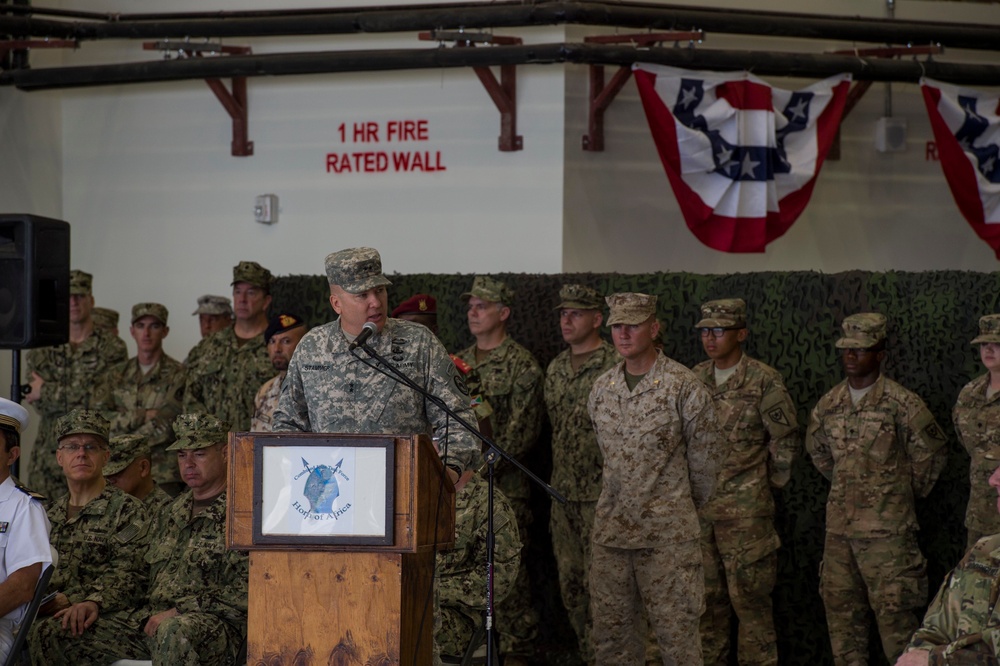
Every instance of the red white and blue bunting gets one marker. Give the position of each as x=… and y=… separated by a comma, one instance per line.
x=966, y=129
x=742, y=157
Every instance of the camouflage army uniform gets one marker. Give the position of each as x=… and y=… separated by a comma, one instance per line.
x=511, y=380
x=661, y=456
x=190, y=570
x=576, y=473
x=127, y=394
x=739, y=541
x=223, y=376
x=977, y=423
x=461, y=573
x=71, y=372
x=101, y=559
x=265, y=402
x=327, y=389
x=879, y=455
x=962, y=625
x=156, y=502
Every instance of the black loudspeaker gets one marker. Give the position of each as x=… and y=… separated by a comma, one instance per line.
x=34, y=281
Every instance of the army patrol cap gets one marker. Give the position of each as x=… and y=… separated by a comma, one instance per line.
x=213, y=305
x=282, y=322
x=83, y=421
x=105, y=318
x=13, y=415
x=863, y=331
x=80, y=283
x=356, y=270
x=723, y=313
x=198, y=431
x=489, y=289
x=579, y=297
x=630, y=308
x=252, y=273
x=140, y=310
x=417, y=304
x=124, y=450
x=989, y=329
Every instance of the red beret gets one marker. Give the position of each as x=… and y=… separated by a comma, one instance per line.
x=417, y=304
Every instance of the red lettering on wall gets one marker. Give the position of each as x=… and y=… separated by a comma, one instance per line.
x=930, y=152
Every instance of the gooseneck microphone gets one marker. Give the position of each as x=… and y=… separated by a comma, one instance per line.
x=367, y=331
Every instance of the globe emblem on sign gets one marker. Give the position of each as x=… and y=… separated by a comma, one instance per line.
x=321, y=488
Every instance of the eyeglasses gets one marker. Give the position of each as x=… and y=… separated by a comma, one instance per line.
x=715, y=332
x=76, y=448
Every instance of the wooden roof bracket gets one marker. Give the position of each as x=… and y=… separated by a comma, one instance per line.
x=859, y=88
x=502, y=92
x=233, y=100
x=22, y=46
x=602, y=95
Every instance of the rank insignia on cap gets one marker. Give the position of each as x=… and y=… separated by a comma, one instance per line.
x=422, y=305
x=286, y=320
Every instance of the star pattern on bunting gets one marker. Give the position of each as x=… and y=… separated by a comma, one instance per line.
x=970, y=134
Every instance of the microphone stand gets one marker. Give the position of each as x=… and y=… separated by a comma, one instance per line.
x=493, y=453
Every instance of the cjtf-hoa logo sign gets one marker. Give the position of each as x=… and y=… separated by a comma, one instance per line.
x=322, y=490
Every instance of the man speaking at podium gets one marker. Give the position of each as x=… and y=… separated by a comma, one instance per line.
x=329, y=389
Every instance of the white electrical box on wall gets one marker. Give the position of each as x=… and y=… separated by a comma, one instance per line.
x=265, y=209
x=890, y=135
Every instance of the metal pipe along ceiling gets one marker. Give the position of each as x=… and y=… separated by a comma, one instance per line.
x=506, y=15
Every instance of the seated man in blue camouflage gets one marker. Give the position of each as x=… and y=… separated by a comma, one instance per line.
x=100, y=534
x=461, y=572
x=962, y=625
x=196, y=609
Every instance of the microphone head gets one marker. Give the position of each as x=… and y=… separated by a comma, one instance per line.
x=370, y=325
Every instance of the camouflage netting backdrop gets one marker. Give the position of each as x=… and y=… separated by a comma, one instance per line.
x=793, y=320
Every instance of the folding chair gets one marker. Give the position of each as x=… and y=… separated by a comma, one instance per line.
x=20, y=641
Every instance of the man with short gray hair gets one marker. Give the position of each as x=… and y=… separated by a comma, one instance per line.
x=656, y=426
x=330, y=389
x=101, y=535
x=881, y=448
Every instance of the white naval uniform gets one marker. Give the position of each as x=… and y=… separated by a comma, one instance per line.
x=24, y=540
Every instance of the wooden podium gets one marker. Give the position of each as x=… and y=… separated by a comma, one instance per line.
x=343, y=603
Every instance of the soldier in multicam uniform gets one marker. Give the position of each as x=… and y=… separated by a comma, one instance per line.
x=195, y=609
x=130, y=469
x=977, y=421
x=881, y=448
x=63, y=378
x=329, y=389
x=510, y=379
x=283, y=335
x=25, y=531
x=226, y=368
x=215, y=313
x=962, y=624
x=143, y=395
x=656, y=427
x=101, y=535
x=738, y=539
x=576, y=458
x=461, y=573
